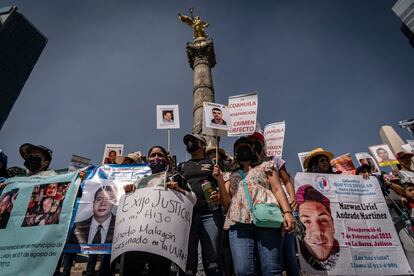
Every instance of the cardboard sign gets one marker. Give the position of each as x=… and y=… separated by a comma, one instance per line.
x=216, y=116
x=274, y=135
x=383, y=155
x=346, y=227
x=365, y=158
x=111, y=152
x=243, y=114
x=168, y=117
x=78, y=162
x=154, y=220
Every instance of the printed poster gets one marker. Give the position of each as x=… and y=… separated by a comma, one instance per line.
x=111, y=152
x=365, y=158
x=154, y=220
x=243, y=114
x=216, y=116
x=346, y=228
x=343, y=164
x=168, y=117
x=34, y=223
x=97, y=206
x=383, y=155
x=274, y=135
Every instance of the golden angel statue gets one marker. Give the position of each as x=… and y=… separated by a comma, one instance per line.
x=196, y=23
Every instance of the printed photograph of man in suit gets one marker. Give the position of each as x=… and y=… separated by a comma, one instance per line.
x=99, y=228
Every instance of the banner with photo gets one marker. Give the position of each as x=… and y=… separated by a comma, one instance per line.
x=346, y=228
x=365, y=158
x=34, y=222
x=168, y=116
x=154, y=220
x=93, y=228
x=243, y=114
x=274, y=135
x=383, y=155
x=343, y=164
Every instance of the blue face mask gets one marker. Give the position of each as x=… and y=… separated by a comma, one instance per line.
x=158, y=165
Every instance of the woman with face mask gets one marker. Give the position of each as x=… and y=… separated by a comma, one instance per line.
x=264, y=186
x=134, y=262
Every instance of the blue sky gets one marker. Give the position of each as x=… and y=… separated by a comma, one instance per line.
x=335, y=71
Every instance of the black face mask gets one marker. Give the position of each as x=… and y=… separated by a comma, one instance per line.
x=192, y=146
x=245, y=153
x=33, y=163
x=158, y=165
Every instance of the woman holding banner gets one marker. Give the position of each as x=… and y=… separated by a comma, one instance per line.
x=261, y=181
x=134, y=262
x=318, y=161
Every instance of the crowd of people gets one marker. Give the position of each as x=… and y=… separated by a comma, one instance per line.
x=225, y=229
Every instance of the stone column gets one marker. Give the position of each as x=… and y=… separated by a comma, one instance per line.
x=202, y=58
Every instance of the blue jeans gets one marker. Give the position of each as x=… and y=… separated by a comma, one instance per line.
x=268, y=241
x=207, y=229
x=290, y=262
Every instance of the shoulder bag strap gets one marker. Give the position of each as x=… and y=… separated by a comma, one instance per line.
x=246, y=191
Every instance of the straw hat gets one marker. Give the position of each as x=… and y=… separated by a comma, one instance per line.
x=136, y=157
x=315, y=152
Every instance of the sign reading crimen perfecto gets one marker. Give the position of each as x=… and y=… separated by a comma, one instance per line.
x=347, y=228
x=243, y=114
x=154, y=220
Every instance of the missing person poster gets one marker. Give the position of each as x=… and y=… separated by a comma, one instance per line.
x=216, y=116
x=346, y=228
x=168, y=117
x=243, y=114
x=274, y=135
x=365, y=158
x=302, y=156
x=93, y=228
x=111, y=152
x=343, y=164
x=34, y=221
x=154, y=220
x=383, y=155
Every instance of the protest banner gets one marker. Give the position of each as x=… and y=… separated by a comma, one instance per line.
x=274, y=135
x=34, y=226
x=243, y=114
x=111, y=152
x=346, y=227
x=343, y=164
x=302, y=156
x=97, y=206
x=365, y=158
x=168, y=117
x=216, y=116
x=78, y=162
x=383, y=155
x=154, y=220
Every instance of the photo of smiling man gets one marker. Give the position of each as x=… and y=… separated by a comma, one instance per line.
x=318, y=245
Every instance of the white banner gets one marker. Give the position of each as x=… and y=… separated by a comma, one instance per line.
x=154, y=220
x=243, y=114
x=347, y=228
x=274, y=135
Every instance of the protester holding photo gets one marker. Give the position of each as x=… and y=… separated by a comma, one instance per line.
x=264, y=186
x=290, y=263
x=318, y=247
x=318, y=161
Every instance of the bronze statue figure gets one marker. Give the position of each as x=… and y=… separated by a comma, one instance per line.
x=196, y=23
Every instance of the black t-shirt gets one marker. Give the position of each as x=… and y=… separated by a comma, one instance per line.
x=194, y=172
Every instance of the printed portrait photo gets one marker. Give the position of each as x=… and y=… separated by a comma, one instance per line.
x=7, y=200
x=383, y=155
x=45, y=204
x=111, y=152
x=168, y=116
